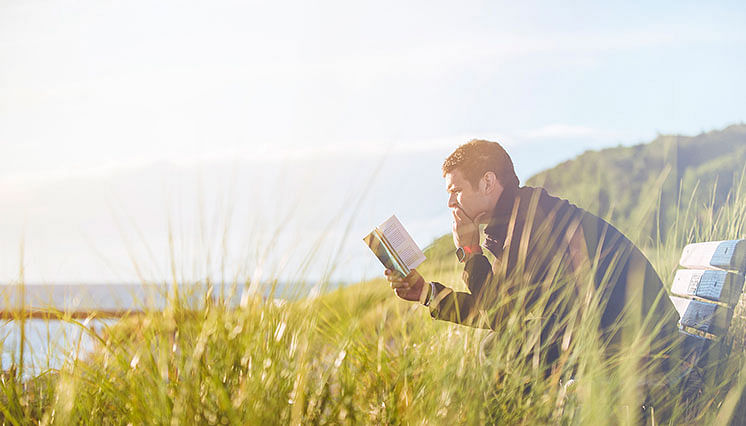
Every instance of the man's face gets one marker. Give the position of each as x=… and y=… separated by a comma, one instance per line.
x=461, y=194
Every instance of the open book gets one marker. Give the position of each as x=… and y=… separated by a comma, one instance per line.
x=394, y=247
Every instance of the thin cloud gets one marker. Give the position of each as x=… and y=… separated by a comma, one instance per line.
x=568, y=131
x=441, y=56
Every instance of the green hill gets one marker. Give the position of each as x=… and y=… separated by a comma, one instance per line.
x=624, y=183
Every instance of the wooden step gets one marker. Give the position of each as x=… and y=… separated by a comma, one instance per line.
x=719, y=286
x=702, y=316
x=720, y=255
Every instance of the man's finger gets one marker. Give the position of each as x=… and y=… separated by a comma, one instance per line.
x=400, y=284
x=393, y=277
x=460, y=215
x=456, y=211
x=413, y=277
x=403, y=293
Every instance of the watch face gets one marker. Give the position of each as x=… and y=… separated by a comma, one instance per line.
x=460, y=254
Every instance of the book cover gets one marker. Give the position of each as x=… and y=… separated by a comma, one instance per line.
x=394, y=247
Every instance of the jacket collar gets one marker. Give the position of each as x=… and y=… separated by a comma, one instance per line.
x=497, y=229
x=503, y=209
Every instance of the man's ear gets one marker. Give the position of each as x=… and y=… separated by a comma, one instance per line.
x=489, y=182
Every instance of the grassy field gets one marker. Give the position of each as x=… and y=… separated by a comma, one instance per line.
x=360, y=355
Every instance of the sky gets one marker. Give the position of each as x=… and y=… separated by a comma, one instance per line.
x=95, y=91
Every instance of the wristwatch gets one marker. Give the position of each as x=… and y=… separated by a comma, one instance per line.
x=461, y=252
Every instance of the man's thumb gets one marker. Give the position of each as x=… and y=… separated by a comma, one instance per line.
x=413, y=277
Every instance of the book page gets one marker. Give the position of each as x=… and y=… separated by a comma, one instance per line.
x=402, y=242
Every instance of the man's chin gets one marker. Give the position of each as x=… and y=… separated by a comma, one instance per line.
x=484, y=217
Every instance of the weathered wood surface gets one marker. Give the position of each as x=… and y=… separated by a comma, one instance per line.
x=719, y=286
x=703, y=316
x=723, y=255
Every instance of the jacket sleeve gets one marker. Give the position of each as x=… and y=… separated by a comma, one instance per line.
x=462, y=307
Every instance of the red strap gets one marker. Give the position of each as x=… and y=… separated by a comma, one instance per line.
x=472, y=249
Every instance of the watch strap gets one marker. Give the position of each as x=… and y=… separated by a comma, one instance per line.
x=473, y=249
x=463, y=252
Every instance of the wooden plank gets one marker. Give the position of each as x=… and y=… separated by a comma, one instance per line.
x=719, y=286
x=703, y=316
x=719, y=255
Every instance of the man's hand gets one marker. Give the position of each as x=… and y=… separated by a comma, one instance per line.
x=412, y=288
x=465, y=229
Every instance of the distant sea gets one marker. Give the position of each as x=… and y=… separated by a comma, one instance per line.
x=50, y=342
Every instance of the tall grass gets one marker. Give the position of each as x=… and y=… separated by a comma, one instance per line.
x=360, y=355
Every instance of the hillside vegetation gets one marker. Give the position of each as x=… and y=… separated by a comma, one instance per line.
x=360, y=355
x=626, y=183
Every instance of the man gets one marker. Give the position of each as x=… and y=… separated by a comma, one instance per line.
x=552, y=260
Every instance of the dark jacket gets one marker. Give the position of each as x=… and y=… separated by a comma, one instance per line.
x=550, y=256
